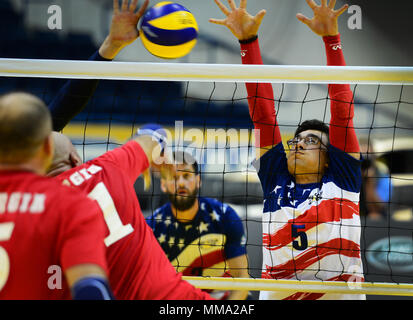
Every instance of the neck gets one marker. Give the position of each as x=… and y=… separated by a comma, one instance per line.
x=308, y=178
x=22, y=167
x=185, y=215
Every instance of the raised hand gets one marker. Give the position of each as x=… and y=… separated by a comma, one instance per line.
x=123, y=28
x=238, y=20
x=324, y=22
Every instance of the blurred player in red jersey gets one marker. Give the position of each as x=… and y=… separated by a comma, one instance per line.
x=313, y=190
x=138, y=267
x=42, y=223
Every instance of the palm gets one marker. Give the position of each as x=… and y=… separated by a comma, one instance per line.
x=243, y=25
x=324, y=22
x=124, y=28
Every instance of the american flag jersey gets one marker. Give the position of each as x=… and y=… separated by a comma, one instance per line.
x=200, y=247
x=311, y=231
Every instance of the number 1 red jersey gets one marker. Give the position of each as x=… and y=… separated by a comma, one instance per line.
x=138, y=267
x=45, y=228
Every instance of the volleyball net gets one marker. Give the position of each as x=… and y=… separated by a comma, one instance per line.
x=204, y=110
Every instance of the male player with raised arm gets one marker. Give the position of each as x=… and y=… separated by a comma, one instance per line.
x=138, y=268
x=44, y=226
x=311, y=223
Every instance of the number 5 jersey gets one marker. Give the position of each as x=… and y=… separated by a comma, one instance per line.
x=311, y=231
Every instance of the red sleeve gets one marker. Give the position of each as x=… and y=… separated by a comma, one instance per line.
x=83, y=232
x=169, y=284
x=130, y=158
x=342, y=133
x=260, y=100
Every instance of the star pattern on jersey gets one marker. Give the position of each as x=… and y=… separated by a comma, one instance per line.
x=203, y=227
x=167, y=222
x=162, y=238
x=171, y=240
x=214, y=216
x=181, y=243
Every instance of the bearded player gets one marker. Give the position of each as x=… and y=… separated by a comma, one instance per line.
x=311, y=223
x=200, y=236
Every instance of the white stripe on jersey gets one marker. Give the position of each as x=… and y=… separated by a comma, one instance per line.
x=349, y=229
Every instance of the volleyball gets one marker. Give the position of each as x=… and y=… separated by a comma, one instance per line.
x=168, y=30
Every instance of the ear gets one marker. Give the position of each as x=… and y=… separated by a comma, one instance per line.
x=198, y=181
x=163, y=186
x=74, y=159
x=48, y=146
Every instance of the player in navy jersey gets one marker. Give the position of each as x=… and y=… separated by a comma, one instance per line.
x=311, y=223
x=201, y=236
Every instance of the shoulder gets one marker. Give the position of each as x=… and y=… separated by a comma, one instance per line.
x=214, y=205
x=159, y=214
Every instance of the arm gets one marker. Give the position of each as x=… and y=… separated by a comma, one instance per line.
x=235, y=250
x=238, y=267
x=145, y=149
x=88, y=282
x=260, y=96
x=325, y=24
x=73, y=97
x=81, y=247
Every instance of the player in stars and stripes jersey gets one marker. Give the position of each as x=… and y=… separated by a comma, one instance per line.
x=200, y=236
x=311, y=223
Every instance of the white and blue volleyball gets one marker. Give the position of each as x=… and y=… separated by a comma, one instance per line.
x=168, y=30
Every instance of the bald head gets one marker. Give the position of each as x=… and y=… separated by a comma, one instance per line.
x=65, y=156
x=25, y=124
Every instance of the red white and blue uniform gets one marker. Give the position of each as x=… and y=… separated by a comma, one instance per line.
x=201, y=246
x=310, y=231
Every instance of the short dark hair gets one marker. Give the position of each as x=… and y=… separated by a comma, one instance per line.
x=25, y=123
x=313, y=124
x=183, y=157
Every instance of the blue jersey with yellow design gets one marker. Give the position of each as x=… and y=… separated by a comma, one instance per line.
x=200, y=247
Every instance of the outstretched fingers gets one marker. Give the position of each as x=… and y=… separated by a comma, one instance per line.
x=124, y=5
x=311, y=4
x=217, y=21
x=338, y=12
x=142, y=9
x=232, y=5
x=303, y=18
x=260, y=15
x=222, y=7
x=115, y=6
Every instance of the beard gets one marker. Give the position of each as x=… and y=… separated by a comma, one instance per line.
x=183, y=202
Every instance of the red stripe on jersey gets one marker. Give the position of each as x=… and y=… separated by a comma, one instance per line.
x=332, y=210
x=304, y=296
x=311, y=256
x=205, y=261
x=315, y=296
